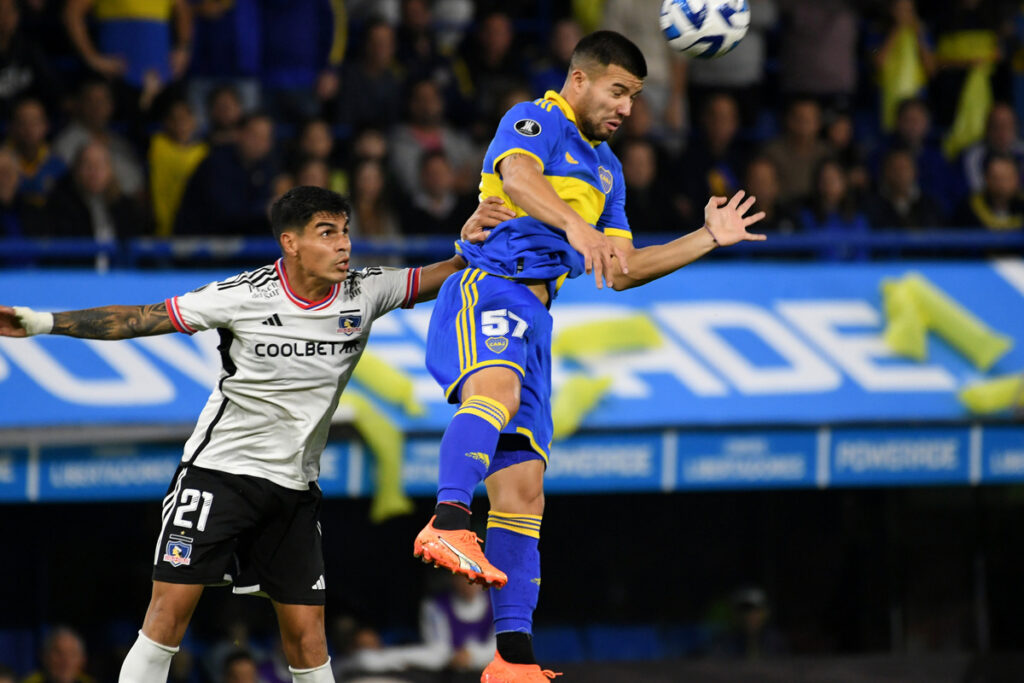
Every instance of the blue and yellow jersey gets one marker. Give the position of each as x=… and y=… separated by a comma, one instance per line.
x=138, y=31
x=586, y=174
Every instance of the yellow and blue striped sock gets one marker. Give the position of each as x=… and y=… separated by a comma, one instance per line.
x=467, y=447
x=512, y=541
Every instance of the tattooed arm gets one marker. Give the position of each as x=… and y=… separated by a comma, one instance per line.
x=107, y=322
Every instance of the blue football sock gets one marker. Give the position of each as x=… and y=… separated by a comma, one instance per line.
x=512, y=546
x=467, y=446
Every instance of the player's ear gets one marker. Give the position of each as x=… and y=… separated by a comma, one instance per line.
x=289, y=243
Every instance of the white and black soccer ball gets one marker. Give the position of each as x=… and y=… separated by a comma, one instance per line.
x=704, y=28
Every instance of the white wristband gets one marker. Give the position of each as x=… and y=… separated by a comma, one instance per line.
x=33, y=321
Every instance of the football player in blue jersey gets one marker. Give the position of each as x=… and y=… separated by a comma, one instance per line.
x=489, y=343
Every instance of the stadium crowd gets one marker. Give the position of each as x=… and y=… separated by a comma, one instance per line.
x=186, y=118
x=125, y=120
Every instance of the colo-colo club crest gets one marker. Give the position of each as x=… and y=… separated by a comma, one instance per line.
x=350, y=322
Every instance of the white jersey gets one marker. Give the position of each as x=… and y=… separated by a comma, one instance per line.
x=285, y=361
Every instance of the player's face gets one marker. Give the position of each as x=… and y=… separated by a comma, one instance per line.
x=606, y=99
x=323, y=247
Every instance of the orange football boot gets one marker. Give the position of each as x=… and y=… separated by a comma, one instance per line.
x=457, y=550
x=500, y=671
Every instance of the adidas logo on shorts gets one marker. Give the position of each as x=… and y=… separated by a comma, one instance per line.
x=319, y=585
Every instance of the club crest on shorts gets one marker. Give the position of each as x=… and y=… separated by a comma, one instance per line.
x=606, y=179
x=179, y=550
x=527, y=127
x=497, y=344
x=349, y=322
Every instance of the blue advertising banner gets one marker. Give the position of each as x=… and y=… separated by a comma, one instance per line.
x=14, y=477
x=636, y=462
x=737, y=344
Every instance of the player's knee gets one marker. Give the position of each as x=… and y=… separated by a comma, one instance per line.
x=305, y=649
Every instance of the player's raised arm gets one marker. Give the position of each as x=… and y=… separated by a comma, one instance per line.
x=106, y=322
x=725, y=224
x=488, y=214
x=524, y=182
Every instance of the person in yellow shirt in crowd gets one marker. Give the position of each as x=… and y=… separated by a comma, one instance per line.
x=174, y=154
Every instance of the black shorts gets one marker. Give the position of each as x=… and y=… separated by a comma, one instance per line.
x=221, y=528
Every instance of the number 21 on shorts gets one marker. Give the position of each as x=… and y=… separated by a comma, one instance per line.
x=189, y=503
x=496, y=323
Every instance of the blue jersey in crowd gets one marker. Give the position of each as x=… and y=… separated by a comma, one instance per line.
x=586, y=174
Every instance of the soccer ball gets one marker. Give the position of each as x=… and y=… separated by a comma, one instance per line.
x=704, y=28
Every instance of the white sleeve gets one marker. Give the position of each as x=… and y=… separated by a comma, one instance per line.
x=211, y=306
x=389, y=288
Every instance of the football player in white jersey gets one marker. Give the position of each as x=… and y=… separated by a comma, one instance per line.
x=244, y=505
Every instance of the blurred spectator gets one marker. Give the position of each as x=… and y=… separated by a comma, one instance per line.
x=240, y=667
x=750, y=635
x=741, y=72
x=418, y=51
x=845, y=149
x=312, y=172
x=426, y=131
x=832, y=208
x=24, y=71
x=452, y=18
x=229, y=192
x=224, y=114
x=488, y=66
x=373, y=214
x=819, y=50
x=227, y=48
x=762, y=183
x=16, y=219
x=648, y=206
x=316, y=143
x=550, y=72
x=371, y=86
x=63, y=659
x=936, y=176
x=665, y=85
x=89, y=203
x=714, y=161
x=303, y=43
x=39, y=167
x=456, y=631
x=436, y=208
x=903, y=58
x=94, y=107
x=899, y=202
x=135, y=40
x=7, y=675
x=1000, y=203
x=1000, y=138
x=174, y=155
x=799, y=150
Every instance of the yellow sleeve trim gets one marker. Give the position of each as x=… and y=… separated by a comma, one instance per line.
x=618, y=232
x=517, y=150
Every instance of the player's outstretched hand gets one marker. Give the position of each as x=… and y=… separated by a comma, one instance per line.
x=10, y=326
x=727, y=221
x=489, y=213
x=598, y=253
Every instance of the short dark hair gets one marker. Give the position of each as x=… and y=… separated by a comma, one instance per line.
x=235, y=657
x=606, y=48
x=296, y=207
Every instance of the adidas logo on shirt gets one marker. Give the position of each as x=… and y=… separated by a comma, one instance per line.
x=273, y=321
x=319, y=585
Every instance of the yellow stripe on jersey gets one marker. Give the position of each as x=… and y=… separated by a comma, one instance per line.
x=472, y=315
x=151, y=10
x=517, y=150
x=460, y=334
x=617, y=232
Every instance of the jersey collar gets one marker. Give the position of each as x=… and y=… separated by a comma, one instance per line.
x=299, y=301
x=568, y=112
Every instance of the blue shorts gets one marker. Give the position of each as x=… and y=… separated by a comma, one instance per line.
x=480, y=321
